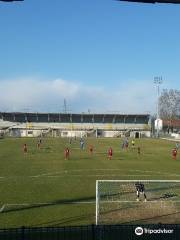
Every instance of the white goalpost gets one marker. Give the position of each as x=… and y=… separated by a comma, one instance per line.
x=137, y=201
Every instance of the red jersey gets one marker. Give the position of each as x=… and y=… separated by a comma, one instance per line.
x=174, y=152
x=66, y=152
x=91, y=149
x=110, y=152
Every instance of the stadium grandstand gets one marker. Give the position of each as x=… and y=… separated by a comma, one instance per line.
x=21, y=124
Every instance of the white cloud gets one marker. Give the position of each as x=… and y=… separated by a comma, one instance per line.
x=48, y=95
x=64, y=88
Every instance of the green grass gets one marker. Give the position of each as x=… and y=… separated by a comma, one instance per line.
x=41, y=188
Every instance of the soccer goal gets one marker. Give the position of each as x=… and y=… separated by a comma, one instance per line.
x=137, y=201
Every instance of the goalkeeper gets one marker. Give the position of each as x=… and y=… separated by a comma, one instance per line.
x=140, y=190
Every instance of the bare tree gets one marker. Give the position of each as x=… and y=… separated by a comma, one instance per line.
x=169, y=104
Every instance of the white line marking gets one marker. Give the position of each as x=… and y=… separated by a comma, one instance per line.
x=155, y=201
x=47, y=203
x=2, y=208
x=156, y=172
x=76, y=170
x=172, y=140
x=81, y=202
x=102, y=175
x=118, y=173
x=25, y=204
x=82, y=175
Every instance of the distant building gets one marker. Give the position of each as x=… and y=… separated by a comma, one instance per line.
x=170, y=126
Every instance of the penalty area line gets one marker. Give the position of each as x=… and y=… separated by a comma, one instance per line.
x=74, y=170
x=78, y=175
x=43, y=204
x=156, y=172
x=49, y=203
x=102, y=175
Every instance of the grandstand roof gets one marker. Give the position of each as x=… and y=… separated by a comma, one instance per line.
x=74, y=117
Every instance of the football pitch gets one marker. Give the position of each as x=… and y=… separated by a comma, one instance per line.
x=41, y=188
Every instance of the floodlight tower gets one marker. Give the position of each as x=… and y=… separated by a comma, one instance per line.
x=65, y=106
x=157, y=81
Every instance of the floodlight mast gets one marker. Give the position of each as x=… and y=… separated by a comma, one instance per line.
x=157, y=82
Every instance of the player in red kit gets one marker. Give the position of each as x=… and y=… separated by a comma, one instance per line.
x=25, y=148
x=110, y=153
x=174, y=153
x=91, y=149
x=66, y=153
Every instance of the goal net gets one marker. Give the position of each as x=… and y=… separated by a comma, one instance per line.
x=137, y=201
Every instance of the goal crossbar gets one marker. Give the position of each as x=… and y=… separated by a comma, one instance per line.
x=143, y=180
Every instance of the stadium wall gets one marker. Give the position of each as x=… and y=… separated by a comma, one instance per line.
x=25, y=132
x=79, y=125
x=76, y=133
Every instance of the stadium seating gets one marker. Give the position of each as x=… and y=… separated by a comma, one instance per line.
x=75, y=118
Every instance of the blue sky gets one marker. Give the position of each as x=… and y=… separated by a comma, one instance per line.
x=100, y=55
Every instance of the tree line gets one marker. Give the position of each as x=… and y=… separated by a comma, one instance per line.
x=169, y=104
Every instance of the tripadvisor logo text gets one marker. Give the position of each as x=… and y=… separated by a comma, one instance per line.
x=139, y=231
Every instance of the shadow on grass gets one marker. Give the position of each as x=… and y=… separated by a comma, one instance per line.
x=153, y=218
x=23, y=206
